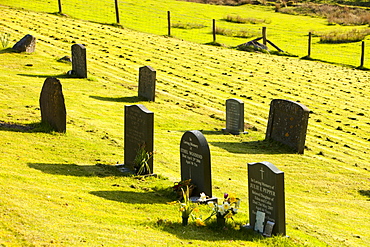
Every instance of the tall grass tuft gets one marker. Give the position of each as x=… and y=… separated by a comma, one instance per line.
x=242, y=33
x=239, y=19
x=335, y=14
x=353, y=35
x=187, y=25
x=4, y=38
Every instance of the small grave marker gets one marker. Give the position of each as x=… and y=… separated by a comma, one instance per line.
x=79, y=64
x=234, y=117
x=266, y=198
x=288, y=121
x=138, y=131
x=53, y=110
x=26, y=44
x=147, y=77
x=195, y=159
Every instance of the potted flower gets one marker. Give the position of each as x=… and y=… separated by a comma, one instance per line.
x=187, y=207
x=226, y=210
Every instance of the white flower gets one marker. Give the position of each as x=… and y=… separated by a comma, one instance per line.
x=226, y=206
x=203, y=197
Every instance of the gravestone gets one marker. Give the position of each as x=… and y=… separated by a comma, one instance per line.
x=266, y=198
x=79, y=64
x=287, y=123
x=147, y=77
x=138, y=131
x=53, y=110
x=195, y=160
x=234, y=117
x=26, y=44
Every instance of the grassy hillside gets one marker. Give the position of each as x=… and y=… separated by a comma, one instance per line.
x=288, y=32
x=61, y=190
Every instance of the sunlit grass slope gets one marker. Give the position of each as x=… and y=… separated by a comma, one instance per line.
x=61, y=190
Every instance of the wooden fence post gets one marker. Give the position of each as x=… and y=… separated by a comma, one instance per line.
x=264, y=38
x=117, y=11
x=309, y=44
x=169, y=22
x=214, y=30
x=362, y=54
x=60, y=6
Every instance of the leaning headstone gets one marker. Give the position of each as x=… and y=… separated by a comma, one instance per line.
x=79, y=64
x=138, y=132
x=288, y=121
x=147, y=77
x=26, y=44
x=234, y=117
x=266, y=199
x=195, y=160
x=52, y=106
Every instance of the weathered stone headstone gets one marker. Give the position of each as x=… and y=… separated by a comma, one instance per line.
x=267, y=196
x=52, y=106
x=195, y=160
x=288, y=121
x=26, y=44
x=147, y=77
x=138, y=131
x=234, y=117
x=79, y=64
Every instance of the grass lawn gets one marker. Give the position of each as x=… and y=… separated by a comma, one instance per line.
x=62, y=189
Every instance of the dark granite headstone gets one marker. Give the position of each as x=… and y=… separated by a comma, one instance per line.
x=53, y=110
x=147, y=77
x=288, y=121
x=79, y=64
x=26, y=44
x=234, y=117
x=266, y=195
x=138, y=131
x=195, y=159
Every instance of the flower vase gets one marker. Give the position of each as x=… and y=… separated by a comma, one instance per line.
x=220, y=220
x=185, y=221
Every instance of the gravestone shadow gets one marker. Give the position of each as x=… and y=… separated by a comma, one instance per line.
x=211, y=233
x=132, y=99
x=47, y=76
x=98, y=170
x=26, y=128
x=7, y=50
x=365, y=193
x=255, y=147
x=131, y=196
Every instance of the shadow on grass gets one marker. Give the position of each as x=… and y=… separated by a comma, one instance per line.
x=132, y=99
x=133, y=197
x=7, y=50
x=211, y=232
x=98, y=170
x=365, y=193
x=255, y=147
x=26, y=128
x=47, y=76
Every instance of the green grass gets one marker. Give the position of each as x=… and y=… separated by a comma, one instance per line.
x=288, y=32
x=60, y=189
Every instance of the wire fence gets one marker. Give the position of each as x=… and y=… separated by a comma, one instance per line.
x=153, y=18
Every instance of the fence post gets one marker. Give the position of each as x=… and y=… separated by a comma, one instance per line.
x=264, y=38
x=169, y=22
x=214, y=30
x=309, y=44
x=362, y=54
x=117, y=11
x=60, y=6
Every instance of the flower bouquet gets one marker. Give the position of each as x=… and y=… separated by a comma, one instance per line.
x=226, y=210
